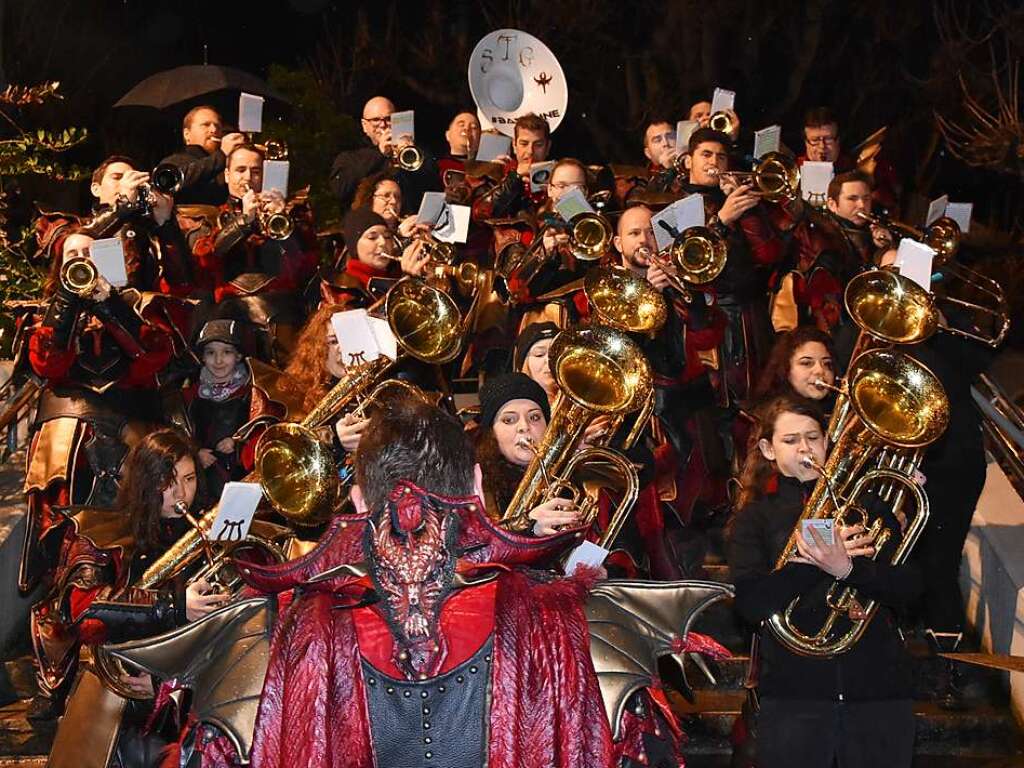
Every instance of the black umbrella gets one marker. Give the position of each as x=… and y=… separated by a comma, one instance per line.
x=173, y=86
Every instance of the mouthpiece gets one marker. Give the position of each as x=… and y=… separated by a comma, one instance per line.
x=807, y=461
x=181, y=508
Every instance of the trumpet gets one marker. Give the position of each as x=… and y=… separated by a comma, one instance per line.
x=721, y=121
x=78, y=276
x=408, y=158
x=776, y=176
x=275, y=225
x=943, y=236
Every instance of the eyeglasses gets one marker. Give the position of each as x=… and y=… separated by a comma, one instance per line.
x=821, y=141
x=563, y=186
x=378, y=122
x=386, y=196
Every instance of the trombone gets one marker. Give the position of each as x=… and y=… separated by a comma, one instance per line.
x=696, y=257
x=776, y=176
x=943, y=236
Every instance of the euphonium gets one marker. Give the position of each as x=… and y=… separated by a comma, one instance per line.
x=78, y=276
x=898, y=407
x=599, y=371
x=573, y=484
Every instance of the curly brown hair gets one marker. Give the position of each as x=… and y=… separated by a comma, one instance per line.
x=148, y=471
x=501, y=477
x=756, y=468
x=368, y=187
x=774, y=378
x=306, y=375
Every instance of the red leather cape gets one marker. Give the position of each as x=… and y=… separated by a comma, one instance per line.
x=545, y=710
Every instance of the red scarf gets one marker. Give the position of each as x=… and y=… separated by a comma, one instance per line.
x=364, y=272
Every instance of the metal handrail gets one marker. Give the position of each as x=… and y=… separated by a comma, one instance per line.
x=1003, y=424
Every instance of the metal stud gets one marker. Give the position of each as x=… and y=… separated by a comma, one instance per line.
x=472, y=670
x=407, y=694
x=426, y=710
x=389, y=689
x=460, y=679
x=428, y=755
x=426, y=725
x=371, y=680
x=427, y=740
x=423, y=694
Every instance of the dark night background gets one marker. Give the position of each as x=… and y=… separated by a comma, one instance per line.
x=875, y=62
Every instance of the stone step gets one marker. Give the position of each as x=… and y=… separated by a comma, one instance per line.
x=983, y=731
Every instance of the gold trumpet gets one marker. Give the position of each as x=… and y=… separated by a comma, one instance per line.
x=776, y=176
x=721, y=121
x=78, y=276
x=408, y=158
x=898, y=407
x=943, y=236
x=599, y=371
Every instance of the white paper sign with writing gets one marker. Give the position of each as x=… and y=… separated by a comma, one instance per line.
x=684, y=130
x=403, y=126
x=573, y=203
x=936, y=208
x=493, y=146
x=676, y=218
x=767, y=140
x=360, y=339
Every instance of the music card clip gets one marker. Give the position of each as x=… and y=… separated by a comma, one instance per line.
x=587, y=553
x=493, y=146
x=767, y=140
x=363, y=338
x=961, y=214
x=914, y=261
x=540, y=175
x=235, y=511
x=723, y=100
x=108, y=256
x=250, y=113
x=403, y=126
x=814, y=180
x=573, y=203
x=275, y=176
x=936, y=209
x=684, y=130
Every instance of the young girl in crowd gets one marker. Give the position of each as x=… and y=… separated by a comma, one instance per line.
x=854, y=707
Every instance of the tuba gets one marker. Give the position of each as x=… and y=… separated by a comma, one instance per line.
x=624, y=300
x=898, y=407
x=599, y=371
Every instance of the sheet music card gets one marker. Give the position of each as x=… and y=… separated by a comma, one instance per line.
x=914, y=261
x=767, y=140
x=572, y=203
x=250, y=113
x=722, y=100
x=936, y=208
x=453, y=226
x=403, y=126
x=275, y=176
x=493, y=146
x=108, y=256
x=961, y=214
x=684, y=130
x=540, y=175
x=814, y=180
x=238, y=502
x=361, y=339
x=587, y=553
x=677, y=218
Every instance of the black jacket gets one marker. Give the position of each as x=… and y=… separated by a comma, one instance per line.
x=354, y=165
x=203, y=182
x=877, y=667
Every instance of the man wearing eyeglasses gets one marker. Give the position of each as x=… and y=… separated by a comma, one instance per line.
x=822, y=144
x=352, y=166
